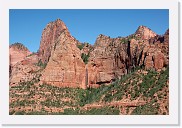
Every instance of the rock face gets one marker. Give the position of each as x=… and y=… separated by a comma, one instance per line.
x=25, y=70
x=49, y=38
x=17, y=52
x=145, y=33
x=65, y=67
x=109, y=58
x=107, y=61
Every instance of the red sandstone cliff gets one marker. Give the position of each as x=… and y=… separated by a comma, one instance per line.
x=17, y=52
x=109, y=58
x=50, y=37
x=65, y=68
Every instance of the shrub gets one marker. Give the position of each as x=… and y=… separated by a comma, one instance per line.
x=37, y=113
x=11, y=112
x=101, y=111
x=85, y=58
x=147, y=109
x=80, y=46
x=20, y=113
x=31, y=54
x=124, y=40
x=41, y=64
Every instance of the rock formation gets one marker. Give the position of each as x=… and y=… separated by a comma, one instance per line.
x=25, y=70
x=108, y=59
x=145, y=33
x=49, y=38
x=17, y=52
x=111, y=58
x=65, y=67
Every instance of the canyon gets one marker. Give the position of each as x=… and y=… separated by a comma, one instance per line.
x=64, y=62
x=109, y=58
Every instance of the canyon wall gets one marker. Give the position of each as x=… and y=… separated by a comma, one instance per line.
x=108, y=59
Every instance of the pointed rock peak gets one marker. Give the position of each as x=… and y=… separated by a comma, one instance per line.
x=19, y=46
x=58, y=21
x=50, y=35
x=143, y=29
x=102, y=40
x=103, y=36
x=145, y=32
x=58, y=24
x=17, y=53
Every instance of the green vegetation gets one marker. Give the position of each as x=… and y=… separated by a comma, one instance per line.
x=77, y=111
x=33, y=53
x=41, y=64
x=147, y=109
x=81, y=46
x=127, y=39
x=85, y=58
x=46, y=99
x=124, y=40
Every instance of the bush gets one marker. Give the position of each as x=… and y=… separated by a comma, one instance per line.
x=41, y=64
x=11, y=112
x=20, y=113
x=124, y=40
x=31, y=54
x=147, y=109
x=101, y=111
x=85, y=58
x=80, y=46
x=37, y=113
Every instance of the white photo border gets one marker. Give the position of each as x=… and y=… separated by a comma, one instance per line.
x=171, y=119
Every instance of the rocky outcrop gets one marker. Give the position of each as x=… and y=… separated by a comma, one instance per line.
x=65, y=67
x=107, y=61
x=17, y=53
x=145, y=33
x=25, y=70
x=111, y=58
x=69, y=63
x=49, y=38
x=158, y=52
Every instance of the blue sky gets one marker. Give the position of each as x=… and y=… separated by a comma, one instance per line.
x=26, y=25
